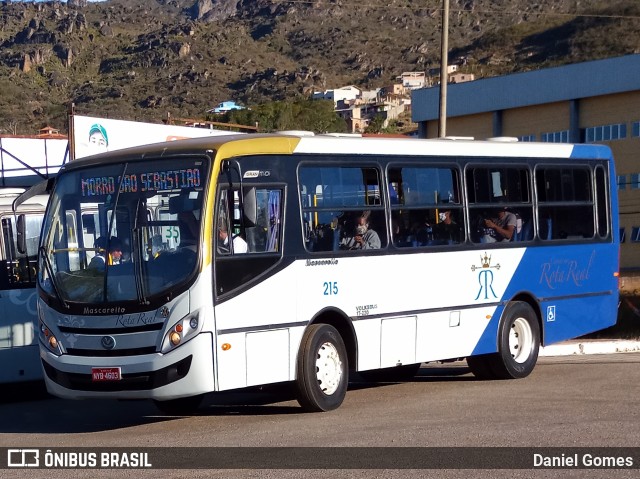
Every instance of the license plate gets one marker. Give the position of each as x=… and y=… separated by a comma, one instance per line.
x=105, y=374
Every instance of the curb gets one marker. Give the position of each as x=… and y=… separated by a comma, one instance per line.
x=577, y=347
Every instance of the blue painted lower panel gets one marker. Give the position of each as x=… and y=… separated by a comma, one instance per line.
x=574, y=287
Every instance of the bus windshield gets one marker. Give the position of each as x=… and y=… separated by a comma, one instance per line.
x=122, y=232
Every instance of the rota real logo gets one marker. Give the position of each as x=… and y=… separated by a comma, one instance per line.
x=485, y=276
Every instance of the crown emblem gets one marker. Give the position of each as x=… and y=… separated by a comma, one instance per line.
x=485, y=262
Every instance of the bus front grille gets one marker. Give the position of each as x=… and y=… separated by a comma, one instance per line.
x=129, y=382
x=109, y=353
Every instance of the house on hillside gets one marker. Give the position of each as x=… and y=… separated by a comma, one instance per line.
x=51, y=132
x=360, y=115
x=393, y=89
x=461, y=77
x=225, y=106
x=450, y=70
x=343, y=94
x=413, y=80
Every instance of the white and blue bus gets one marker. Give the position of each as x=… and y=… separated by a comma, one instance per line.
x=19, y=350
x=185, y=312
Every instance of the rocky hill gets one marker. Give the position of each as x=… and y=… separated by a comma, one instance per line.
x=149, y=58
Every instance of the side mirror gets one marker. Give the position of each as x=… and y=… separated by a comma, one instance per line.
x=21, y=234
x=249, y=207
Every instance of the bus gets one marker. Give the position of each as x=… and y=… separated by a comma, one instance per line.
x=189, y=311
x=19, y=351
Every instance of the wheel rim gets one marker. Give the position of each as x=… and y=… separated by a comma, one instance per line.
x=328, y=368
x=520, y=340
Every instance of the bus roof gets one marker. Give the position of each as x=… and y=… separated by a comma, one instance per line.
x=264, y=143
x=8, y=195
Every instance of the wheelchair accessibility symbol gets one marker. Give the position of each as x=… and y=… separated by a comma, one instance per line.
x=551, y=314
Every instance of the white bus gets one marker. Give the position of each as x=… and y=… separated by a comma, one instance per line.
x=19, y=352
x=186, y=313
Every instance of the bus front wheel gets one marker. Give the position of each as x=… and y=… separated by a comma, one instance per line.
x=518, y=346
x=322, y=369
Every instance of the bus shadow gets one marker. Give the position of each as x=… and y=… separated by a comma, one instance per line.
x=457, y=372
x=54, y=415
x=268, y=400
x=26, y=391
x=446, y=373
x=28, y=409
x=255, y=401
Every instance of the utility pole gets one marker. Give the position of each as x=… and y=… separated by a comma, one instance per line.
x=444, y=48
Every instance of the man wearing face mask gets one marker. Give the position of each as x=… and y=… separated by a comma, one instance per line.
x=447, y=230
x=363, y=237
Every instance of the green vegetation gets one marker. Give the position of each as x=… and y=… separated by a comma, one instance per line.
x=300, y=114
x=143, y=60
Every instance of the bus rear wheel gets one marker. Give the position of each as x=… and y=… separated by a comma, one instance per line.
x=518, y=346
x=322, y=369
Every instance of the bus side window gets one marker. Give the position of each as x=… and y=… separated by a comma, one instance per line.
x=566, y=208
x=250, y=247
x=419, y=196
x=19, y=269
x=332, y=197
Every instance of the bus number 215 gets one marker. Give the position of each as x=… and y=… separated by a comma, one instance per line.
x=330, y=288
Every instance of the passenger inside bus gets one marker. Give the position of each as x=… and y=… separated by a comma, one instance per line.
x=362, y=237
x=447, y=231
x=239, y=244
x=500, y=228
x=103, y=258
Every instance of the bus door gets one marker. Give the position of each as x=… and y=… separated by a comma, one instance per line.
x=19, y=356
x=249, y=312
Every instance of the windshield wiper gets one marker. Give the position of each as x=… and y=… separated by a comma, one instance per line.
x=47, y=264
x=138, y=247
x=110, y=230
x=138, y=267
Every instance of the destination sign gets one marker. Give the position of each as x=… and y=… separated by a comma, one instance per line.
x=150, y=181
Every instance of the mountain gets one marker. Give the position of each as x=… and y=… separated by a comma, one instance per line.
x=146, y=59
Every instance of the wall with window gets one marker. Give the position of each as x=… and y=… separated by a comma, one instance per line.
x=602, y=133
x=621, y=109
x=535, y=119
x=595, y=115
x=561, y=136
x=478, y=126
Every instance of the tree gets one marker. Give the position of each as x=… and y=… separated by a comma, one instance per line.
x=376, y=125
x=317, y=116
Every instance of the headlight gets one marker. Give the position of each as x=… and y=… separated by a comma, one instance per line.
x=181, y=332
x=48, y=339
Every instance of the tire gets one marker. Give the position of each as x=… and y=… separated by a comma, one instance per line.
x=518, y=346
x=181, y=406
x=322, y=369
x=395, y=374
